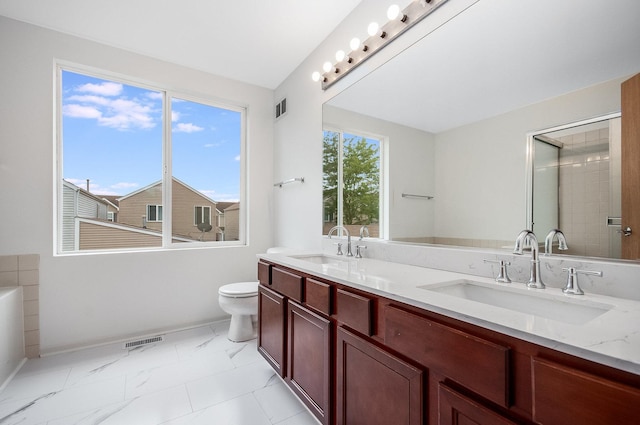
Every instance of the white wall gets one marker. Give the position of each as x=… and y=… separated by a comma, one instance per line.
x=498, y=173
x=93, y=298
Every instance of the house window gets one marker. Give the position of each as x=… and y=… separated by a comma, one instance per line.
x=150, y=153
x=351, y=181
x=154, y=212
x=202, y=215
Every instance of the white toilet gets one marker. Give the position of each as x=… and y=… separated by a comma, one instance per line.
x=240, y=300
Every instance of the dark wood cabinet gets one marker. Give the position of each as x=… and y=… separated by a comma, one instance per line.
x=355, y=357
x=374, y=387
x=308, y=359
x=457, y=409
x=563, y=395
x=271, y=328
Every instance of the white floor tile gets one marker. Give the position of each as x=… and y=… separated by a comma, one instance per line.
x=228, y=385
x=195, y=376
x=151, y=409
x=243, y=410
x=278, y=402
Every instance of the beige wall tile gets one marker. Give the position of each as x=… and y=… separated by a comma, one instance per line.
x=9, y=278
x=32, y=323
x=31, y=308
x=32, y=351
x=30, y=292
x=29, y=277
x=32, y=338
x=29, y=262
x=8, y=263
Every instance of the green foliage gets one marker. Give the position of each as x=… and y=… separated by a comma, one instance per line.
x=361, y=179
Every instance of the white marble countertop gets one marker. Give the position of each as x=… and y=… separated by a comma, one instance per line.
x=612, y=338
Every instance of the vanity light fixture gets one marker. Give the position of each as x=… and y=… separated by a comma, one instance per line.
x=379, y=37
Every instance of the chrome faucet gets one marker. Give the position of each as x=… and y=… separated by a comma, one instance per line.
x=334, y=228
x=548, y=241
x=527, y=236
x=364, y=232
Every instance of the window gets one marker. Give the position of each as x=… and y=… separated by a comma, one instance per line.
x=202, y=215
x=154, y=212
x=160, y=159
x=351, y=182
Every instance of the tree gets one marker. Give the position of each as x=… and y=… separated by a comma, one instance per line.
x=360, y=179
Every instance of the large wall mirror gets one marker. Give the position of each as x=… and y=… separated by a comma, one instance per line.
x=457, y=111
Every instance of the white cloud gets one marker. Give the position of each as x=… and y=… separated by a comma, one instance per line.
x=124, y=185
x=155, y=95
x=78, y=111
x=186, y=128
x=220, y=197
x=175, y=116
x=106, y=88
x=87, y=98
x=237, y=158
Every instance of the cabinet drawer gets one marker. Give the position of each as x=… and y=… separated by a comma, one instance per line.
x=288, y=284
x=480, y=365
x=264, y=273
x=565, y=395
x=354, y=311
x=318, y=296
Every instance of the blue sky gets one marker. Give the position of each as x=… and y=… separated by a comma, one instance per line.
x=112, y=135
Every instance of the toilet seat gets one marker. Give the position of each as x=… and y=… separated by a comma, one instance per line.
x=239, y=290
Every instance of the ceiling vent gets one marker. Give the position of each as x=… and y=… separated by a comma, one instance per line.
x=281, y=108
x=145, y=341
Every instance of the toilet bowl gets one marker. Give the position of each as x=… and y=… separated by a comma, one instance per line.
x=240, y=300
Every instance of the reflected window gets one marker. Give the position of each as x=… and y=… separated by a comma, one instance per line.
x=351, y=181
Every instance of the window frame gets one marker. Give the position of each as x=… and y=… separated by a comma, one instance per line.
x=168, y=93
x=195, y=213
x=157, y=208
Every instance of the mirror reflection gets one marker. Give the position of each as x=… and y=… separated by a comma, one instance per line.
x=453, y=113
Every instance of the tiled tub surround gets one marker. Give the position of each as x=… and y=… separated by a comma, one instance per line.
x=11, y=333
x=23, y=271
x=612, y=339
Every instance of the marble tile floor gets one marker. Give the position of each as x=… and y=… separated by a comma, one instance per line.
x=195, y=377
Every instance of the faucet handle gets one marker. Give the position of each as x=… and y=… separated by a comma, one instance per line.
x=358, y=253
x=572, y=286
x=339, y=248
x=502, y=277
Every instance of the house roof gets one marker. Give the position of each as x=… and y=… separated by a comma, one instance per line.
x=160, y=182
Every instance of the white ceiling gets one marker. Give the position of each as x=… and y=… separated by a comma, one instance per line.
x=500, y=55
x=257, y=42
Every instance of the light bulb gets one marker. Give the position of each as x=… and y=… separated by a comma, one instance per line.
x=315, y=76
x=355, y=43
x=373, y=28
x=394, y=13
x=327, y=66
x=340, y=55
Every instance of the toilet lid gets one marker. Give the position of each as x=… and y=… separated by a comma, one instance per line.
x=239, y=289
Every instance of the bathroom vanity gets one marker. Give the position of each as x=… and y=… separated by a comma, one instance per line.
x=362, y=341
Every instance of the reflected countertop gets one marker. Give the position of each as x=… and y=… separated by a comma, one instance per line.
x=611, y=338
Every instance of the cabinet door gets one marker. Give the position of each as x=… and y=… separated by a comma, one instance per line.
x=563, y=395
x=309, y=350
x=271, y=328
x=457, y=409
x=374, y=387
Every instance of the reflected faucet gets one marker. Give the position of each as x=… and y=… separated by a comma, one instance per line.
x=334, y=228
x=528, y=237
x=364, y=232
x=548, y=241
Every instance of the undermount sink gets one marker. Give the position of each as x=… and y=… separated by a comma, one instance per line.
x=559, y=308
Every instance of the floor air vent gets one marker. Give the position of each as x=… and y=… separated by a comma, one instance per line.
x=145, y=341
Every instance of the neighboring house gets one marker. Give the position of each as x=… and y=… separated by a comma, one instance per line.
x=112, y=207
x=230, y=221
x=78, y=203
x=143, y=209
